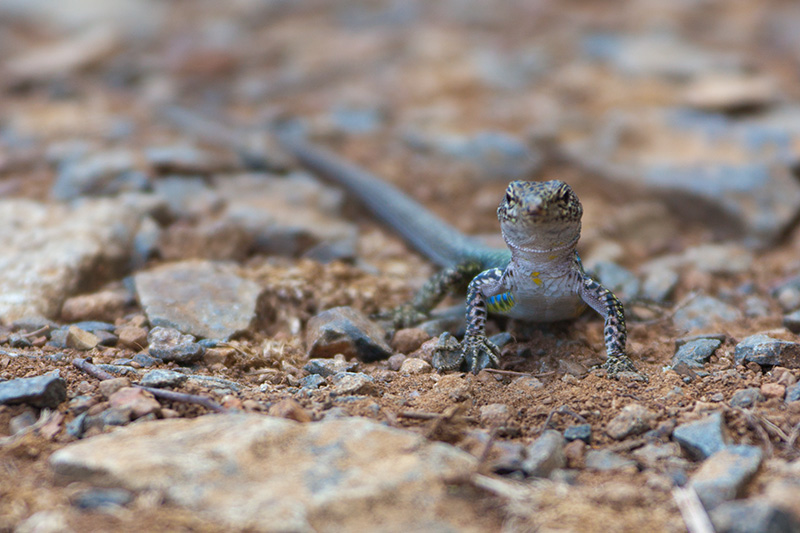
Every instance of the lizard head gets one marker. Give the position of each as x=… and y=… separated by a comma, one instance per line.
x=540, y=215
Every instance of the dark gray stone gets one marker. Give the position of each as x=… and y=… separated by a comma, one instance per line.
x=170, y=345
x=746, y=397
x=93, y=326
x=702, y=438
x=579, y=432
x=161, y=378
x=604, y=460
x=792, y=322
x=145, y=360
x=102, y=498
x=767, y=351
x=617, y=279
x=113, y=416
x=725, y=474
x=329, y=367
x=77, y=425
x=703, y=312
x=179, y=159
x=47, y=390
x=200, y=298
x=753, y=516
x=314, y=381
x=793, y=393
x=344, y=330
x=545, y=455
x=188, y=198
x=695, y=353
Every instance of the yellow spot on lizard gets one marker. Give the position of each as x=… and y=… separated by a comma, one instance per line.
x=535, y=278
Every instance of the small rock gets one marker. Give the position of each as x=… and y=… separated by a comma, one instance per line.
x=215, y=240
x=408, y=340
x=788, y=294
x=346, y=383
x=80, y=339
x=102, y=174
x=170, y=345
x=545, y=455
x=190, y=296
x=792, y=322
x=112, y=416
x=413, y=366
x=180, y=159
x=617, y=279
x=110, y=386
x=755, y=306
x=753, y=516
x=347, y=331
x=454, y=386
x=104, y=305
x=495, y=414
x=396, y=361
x=766, y=351
x=695, y=353
x=574, y=452
x=634, y=419
x=101, y=499
x=773, y=390
x=132, y=337
x=746, y=398
x=329, y=367
x=702, y=438
x=290, y=409
x=659, y=284
x=793, y=393
x=703, y=312
x=604, y=460
x=651, y=454
x=526, y=385
x=106, y=339
x=579, y=432
x=724, y=475
x=139, y=401
x=314, y=381
x=161, y=378
x=145, y=360
x=504, y=458
x=47, y=390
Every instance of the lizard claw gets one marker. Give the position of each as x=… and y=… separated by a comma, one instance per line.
x=476, y=352
x=403, y=316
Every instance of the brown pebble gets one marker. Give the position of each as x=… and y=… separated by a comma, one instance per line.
x=290, y=409
x=80, y=339
x=133, y=337
x=409, y=339
x=231, y=402
x=139, y=401
x=105, y=305
x=110, y=386
x=414, y=366
x=574, y=453
x=396, y=361
x=773, y=390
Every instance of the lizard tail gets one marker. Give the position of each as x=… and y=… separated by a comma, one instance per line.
x=430, y=235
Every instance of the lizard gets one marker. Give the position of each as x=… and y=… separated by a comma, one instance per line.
x=539, y=277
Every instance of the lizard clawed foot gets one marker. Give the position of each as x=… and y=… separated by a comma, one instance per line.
x=403, y=316
x=618, y=365
x=476, y=353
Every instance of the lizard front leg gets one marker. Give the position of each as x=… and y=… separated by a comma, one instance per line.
x=615, y=333
x=475, y=352
x=433, y=292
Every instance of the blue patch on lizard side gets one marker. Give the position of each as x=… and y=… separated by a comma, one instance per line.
x=500, y=303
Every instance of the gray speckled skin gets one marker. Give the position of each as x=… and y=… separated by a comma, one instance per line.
x=539, y=277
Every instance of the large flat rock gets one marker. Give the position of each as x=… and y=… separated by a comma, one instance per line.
x=271, y=474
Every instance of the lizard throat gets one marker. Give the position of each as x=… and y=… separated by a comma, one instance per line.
x=529, y=250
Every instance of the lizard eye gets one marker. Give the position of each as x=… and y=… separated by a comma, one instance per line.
x=509, y=198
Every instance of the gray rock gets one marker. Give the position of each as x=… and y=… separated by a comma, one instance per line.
x=53, y=249
x=47, y=390
x=724, y=475
x=102, y=174
x=188, y=197
x=579, y=432
x=180, y=159
x=788, y=294
x=145, y=360
x=652, y=455
x=746, y=397
x=219, y=384
x=111, y=417
x=755, y=307
x=101, y=498
x=329, y=367
x=702, y=438
x=703, y=312
x=604, y=460
x=145, y=243
x=793, y=393
x=169, y=344
x=545, y=455
x=634, y=419
x=617, y=279
x=161, y=378
x=344, y=330
x=659, y=284
x=314, y=381
x=200, y=298
x=696, y=353
x=237, y=469
x=355, y=121
x=792, y=322
x=753, y=516
x=347, y=383
x=767, y=351
x=286, y=216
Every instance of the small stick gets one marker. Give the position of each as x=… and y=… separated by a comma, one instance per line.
x=102, y=375
x=692, y=511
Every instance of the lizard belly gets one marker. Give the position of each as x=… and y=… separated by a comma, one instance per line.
x=540, y=298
